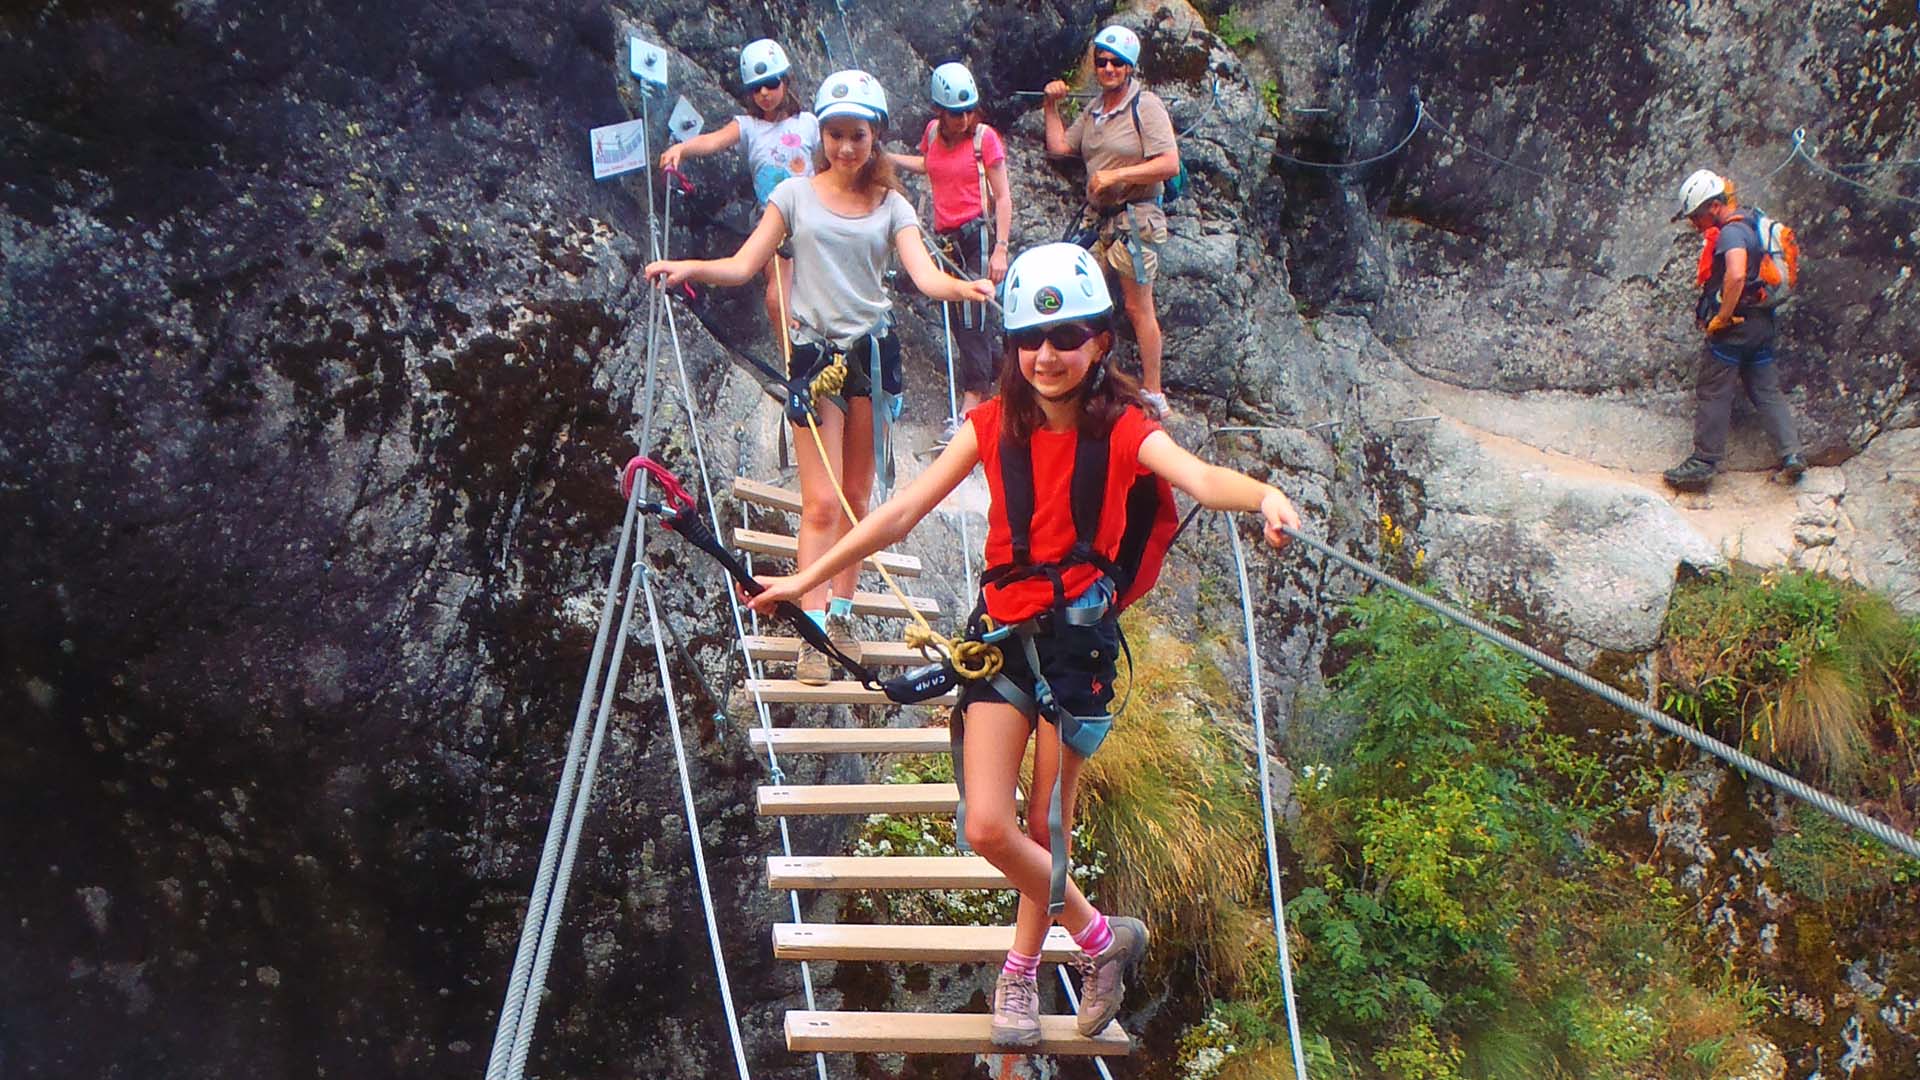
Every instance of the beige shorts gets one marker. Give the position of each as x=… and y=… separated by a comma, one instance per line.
x=1112, y=247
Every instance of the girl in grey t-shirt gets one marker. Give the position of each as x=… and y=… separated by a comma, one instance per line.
x=845, y=222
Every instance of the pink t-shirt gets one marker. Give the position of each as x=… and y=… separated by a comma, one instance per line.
x=953, y=176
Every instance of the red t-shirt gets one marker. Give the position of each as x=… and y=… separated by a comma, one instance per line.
x=1052, y=535
x=954, y=178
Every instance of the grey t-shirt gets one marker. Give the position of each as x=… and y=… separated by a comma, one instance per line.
x=1757, y=323
x=838, y=262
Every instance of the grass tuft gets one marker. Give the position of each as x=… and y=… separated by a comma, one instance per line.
x=1170, y=801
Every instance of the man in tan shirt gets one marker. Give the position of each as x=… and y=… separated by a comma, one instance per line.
x=1126, y=139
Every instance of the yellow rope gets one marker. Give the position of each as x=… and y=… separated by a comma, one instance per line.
x=970, y=659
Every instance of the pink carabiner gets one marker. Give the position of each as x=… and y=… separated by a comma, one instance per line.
x=676, y=496
x=679, y=180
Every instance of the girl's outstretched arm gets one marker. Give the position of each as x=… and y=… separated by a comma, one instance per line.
x=737, y=268
x=1219, y=488
x=887, y=523
x=720, y=138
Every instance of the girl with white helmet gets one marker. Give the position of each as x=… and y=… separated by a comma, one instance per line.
x=1058, y=395
x=777, y=135
x=965, y=163
x=845, y=223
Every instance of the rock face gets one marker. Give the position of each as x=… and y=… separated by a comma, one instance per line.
x=321, y=346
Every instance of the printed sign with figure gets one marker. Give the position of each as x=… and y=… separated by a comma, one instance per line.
x=619, y=148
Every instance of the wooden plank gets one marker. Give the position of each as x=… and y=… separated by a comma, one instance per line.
x=873, y=653
x=786, y=547
x=910, y=944
x=851, y=740
x=884, y=872
x=755, y=491
x=937, y=1033
x=794, y=800
x=887, y=605
x=838, y=692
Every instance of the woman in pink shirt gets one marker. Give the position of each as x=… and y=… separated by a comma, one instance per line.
x=966, y=165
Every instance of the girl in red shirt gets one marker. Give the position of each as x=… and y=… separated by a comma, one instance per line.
x=1056, y=385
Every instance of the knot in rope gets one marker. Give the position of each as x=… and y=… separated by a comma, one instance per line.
x=971, y=660
x=832, y=378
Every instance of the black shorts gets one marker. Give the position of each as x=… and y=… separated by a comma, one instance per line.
x=809, y=360
x=1080, y=662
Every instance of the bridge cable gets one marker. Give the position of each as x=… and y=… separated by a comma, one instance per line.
x=1283, y=959
x=746, y=656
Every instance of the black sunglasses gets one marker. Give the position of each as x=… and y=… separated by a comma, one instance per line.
x=1109, y=60
x=763, y=84
x=961, y=111
x=1064, y=337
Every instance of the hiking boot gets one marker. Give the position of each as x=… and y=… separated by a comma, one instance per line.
x=810, y=667
x=1792, y=468
x=840, y=632
x=1157, y=406
x=1692, y=474
x=1103, y=977
x=1016, y=1012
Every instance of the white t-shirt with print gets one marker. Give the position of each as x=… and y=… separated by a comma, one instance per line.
x=777, y=150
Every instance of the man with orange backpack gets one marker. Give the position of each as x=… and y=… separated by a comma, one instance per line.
x=1746, y=265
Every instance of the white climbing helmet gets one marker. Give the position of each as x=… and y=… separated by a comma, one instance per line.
x=762, y=60
x=953, y=87
x=1697, y=189
x=1121, y=42
x=1053, y=283
x=851, y=93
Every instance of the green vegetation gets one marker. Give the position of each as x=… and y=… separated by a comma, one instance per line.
x=1828, y=863
x=1170, y=794
x=1459, y=919
x=1799, y=669
x=1229, y=30
x=1270, y=97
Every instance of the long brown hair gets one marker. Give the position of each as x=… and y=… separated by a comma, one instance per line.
x=1103, y=394
x=877, y=174
x=789, y=102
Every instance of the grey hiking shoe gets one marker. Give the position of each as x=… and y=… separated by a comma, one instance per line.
x=810, y=666
x=1016, y=1012
x=1692, y=474
x=1792, y=468
x=840, y=632
x=1103, y=977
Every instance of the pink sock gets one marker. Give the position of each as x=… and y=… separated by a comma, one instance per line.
x=1022, y=965
x=1095, y=937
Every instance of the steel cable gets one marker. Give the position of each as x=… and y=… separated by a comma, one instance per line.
x=1283, y=958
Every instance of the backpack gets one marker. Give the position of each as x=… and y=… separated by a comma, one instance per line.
x=1173, y=186
x=1776, y=273
x=1779, y=272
